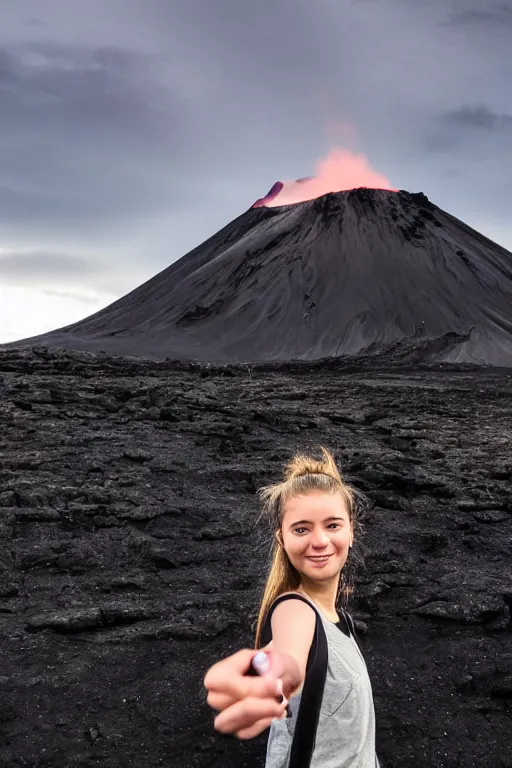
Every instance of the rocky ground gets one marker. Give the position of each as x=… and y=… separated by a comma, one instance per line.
x=130, y=560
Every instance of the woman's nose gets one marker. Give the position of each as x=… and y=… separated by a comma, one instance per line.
x=319, y=538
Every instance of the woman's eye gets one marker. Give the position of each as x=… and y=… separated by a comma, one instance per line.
x=303, y=530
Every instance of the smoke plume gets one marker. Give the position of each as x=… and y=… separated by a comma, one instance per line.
x=340, y=170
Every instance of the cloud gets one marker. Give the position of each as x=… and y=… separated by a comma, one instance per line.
x=72, y=274
x=466, y=129
x=85, y=136
x=73, y=296
x=501, y=13
x=36, y=267
x=41, y=264
x=480, y=117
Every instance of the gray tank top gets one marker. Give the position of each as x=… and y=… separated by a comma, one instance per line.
x=345, y=736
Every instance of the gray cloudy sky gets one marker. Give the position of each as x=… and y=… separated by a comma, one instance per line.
x=131, y=130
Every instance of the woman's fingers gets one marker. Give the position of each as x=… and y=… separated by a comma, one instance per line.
x=219, y=701
x=261, y=689
x=247, y=704
x=254, y=730
x=244, y=715
x=238, y=662
x=229, y=679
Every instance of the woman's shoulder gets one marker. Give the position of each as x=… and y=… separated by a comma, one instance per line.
x=292, y=602
x=292, y=625
x=289, y=610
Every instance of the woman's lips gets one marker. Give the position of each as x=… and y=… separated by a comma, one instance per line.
x=318, y=559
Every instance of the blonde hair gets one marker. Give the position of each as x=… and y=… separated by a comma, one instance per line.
x=303, y=475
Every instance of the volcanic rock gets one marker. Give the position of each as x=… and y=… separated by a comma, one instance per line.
x=347, y=274
x=131, y=558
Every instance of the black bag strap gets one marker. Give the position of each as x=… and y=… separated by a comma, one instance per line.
x=352, y=626
x=350, y=622
x=306, y=725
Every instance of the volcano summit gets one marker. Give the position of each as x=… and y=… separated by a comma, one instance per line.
x=348, y=273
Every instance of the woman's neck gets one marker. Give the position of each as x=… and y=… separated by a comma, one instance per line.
x=324, y=594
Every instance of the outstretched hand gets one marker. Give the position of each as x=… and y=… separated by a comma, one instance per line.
x=246, y=704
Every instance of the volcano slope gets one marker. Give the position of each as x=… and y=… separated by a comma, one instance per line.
x=347, y=273
x=130, y=559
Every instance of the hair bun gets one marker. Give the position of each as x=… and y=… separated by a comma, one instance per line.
x=307, y=465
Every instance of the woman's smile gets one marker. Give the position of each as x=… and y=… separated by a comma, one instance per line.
x=319, y=560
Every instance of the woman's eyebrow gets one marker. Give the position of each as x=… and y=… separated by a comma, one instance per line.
x=299, y=522
x=327, y=520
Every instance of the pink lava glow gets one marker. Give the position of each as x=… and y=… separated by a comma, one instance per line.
x=340, y=170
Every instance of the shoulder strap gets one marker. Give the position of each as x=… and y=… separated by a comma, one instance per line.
x=350, y=622
x=312, y=691
x=352, y=627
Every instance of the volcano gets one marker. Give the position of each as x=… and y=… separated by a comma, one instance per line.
x=349, y=273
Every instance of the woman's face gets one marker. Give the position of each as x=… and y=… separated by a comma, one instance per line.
x=317, y=533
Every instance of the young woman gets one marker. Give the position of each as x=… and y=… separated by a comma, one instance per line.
x=313, y=514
